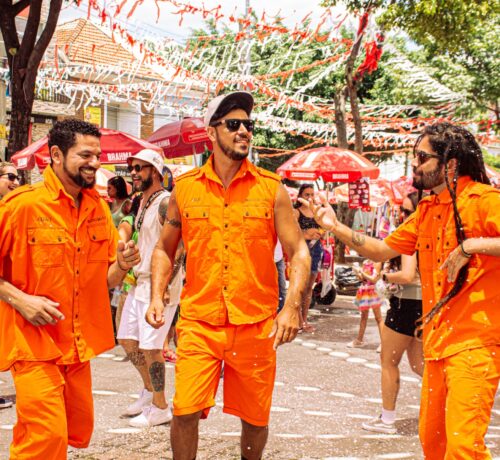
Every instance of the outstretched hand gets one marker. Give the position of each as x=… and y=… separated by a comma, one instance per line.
x=323, y=213
x=127, y=255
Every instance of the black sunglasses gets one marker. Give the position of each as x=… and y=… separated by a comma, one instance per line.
x=11, y=176
x=233, y=124
x=422, y=156
x=137, y=168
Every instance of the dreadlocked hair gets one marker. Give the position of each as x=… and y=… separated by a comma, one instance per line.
x=454, y=142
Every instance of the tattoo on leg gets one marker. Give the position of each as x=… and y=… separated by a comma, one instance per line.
x=174, y=223
x=358, y=239
x=157, y=374
x=137, y=358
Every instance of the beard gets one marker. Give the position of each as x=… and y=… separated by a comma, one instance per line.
x=78, y=178
x=428, y=180
x=231, y=152
x=144, y=184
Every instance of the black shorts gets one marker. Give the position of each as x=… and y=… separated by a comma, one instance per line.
x=402, y=315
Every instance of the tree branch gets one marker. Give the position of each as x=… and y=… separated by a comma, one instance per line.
x=19, y=6
x=30, y=33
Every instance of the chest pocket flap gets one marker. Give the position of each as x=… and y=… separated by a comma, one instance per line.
x=425, y=253
x=256, y=221
x=197, y=222
x=47, y=246
x=99, y=243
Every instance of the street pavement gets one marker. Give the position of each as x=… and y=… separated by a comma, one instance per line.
x=323, y=392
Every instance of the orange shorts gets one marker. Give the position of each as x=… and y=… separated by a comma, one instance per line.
x=54, y=408
x=249, y=369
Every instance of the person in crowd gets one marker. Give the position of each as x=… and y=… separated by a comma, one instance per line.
x=60, y=255
x=398, y=332
x=120, y=204
x=142, y=343
x=312, y=233
x=367, y=298
x=229, y=214
x=456, y=234
x=9, y=180
x=280, y=267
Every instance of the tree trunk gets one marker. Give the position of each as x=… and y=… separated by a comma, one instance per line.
x=20, y=114
x=340, y=119
x=345, y=215
x=356, y=117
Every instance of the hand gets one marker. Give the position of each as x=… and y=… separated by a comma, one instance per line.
x=285, y=327
x=39, y=311
x=155, y=315
x=453, y=263
x=127, y=255
x=323, y=213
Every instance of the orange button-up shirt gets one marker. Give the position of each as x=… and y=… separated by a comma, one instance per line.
x=229, y=237
x=51, y=248
x=472, y=318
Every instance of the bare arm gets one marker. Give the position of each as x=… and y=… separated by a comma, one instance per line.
x=376, y=250
x=483, y=246
x=162, y=262
x=295, y=247
x=407, y=273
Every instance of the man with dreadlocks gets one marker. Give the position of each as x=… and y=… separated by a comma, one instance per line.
x=456, y=233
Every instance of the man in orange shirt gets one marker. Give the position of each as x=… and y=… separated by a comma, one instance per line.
x=229, y=214
x=456, y=232
x=59, y=255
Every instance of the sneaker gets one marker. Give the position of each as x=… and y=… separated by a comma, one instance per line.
x=145, y=399
x=355, y=344
x=379, y=426
x=4, y=403
x=151, y=416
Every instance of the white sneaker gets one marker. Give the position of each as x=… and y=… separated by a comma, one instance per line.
x=145, y=399
x=378, y=426
x=4, y=403
x=151, y=416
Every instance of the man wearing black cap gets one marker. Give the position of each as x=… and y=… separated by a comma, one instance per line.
x=229, y=215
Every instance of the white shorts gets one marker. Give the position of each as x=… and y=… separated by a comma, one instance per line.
x=133, y=325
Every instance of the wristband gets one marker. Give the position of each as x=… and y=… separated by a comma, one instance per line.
x=464, y=252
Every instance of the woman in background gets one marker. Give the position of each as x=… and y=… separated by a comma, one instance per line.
x=120, y=204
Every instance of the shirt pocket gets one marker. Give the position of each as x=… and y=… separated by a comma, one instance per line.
x=47, y=246
x=197, y=224
x=256, y=221
x=425, y=253
x=98, y=236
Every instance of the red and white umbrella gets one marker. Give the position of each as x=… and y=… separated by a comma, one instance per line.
x=116, y=147
x=102, y=176
x=330, y=163
x=182, y=138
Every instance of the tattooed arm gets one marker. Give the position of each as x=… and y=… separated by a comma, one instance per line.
x=162, y=209
x=162, y=262
x=374, y=249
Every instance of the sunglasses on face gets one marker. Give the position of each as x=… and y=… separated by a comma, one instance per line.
x=422, y=156
x=406, y=212
x=233, y=124
x=11, y=176
x=137, y=168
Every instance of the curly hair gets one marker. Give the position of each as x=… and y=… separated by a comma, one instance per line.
x=63, y=134
x=454, y=142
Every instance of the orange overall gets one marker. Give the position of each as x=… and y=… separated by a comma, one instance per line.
x=461, y=343
x=230, y=297
x=51, y=248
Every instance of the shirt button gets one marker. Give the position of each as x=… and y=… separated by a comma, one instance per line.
x=226, y=246
x=78, y=272
x=225, y=267
x=78, y=250
x=226, y=225
x=226, y=205
x=225, y=288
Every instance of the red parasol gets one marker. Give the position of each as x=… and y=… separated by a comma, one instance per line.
x=330, y=163
x=116, y=147
x=182, y=138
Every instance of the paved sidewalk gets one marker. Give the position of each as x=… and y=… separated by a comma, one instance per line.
x=324, y=391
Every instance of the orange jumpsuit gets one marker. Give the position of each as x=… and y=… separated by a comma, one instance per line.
x=51, y=248
x=461, y=343
x=230, y=298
